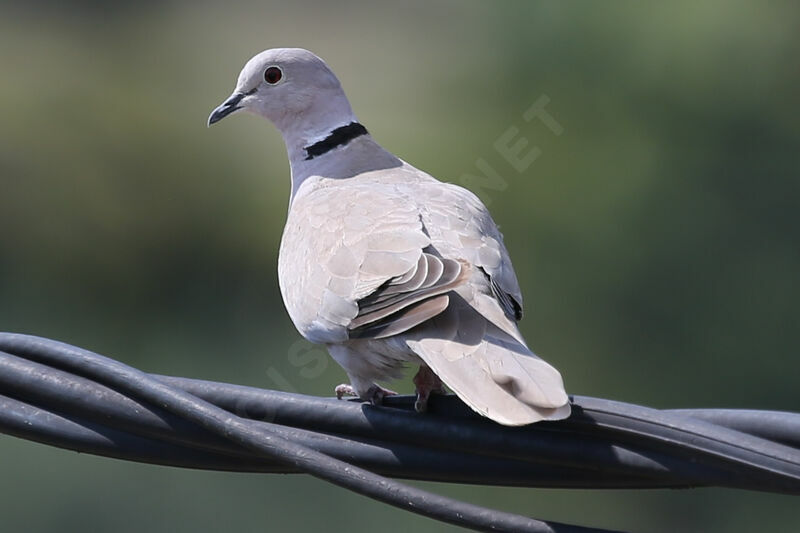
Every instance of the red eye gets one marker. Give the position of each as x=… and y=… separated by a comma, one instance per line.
x=273, y=75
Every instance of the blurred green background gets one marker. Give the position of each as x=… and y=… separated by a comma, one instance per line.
x=656, y=239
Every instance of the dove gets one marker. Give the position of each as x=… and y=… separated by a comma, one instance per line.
x=387, y=266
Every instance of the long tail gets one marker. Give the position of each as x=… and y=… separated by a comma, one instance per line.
x=492, y=372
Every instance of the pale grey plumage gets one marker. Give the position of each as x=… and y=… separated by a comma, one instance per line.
x=385, y=265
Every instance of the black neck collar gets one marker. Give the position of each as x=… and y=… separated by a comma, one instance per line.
x=338, y=137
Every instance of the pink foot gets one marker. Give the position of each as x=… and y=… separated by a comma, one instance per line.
x=376, y=394
x=427, y=383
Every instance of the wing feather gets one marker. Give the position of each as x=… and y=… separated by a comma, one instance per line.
x=405, y=319
x=443, y=275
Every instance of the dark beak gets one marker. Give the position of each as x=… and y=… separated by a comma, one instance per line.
x=226, y=108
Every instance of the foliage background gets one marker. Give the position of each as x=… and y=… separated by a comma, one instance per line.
x=655, y=240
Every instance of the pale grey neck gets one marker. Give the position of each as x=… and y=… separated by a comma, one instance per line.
x=326, y=111
x=358, y=156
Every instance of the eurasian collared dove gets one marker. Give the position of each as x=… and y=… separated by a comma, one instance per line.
x=384, y=264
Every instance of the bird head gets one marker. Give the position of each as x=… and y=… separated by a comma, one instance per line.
x=291, y=87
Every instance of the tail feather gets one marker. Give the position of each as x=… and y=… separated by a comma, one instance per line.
x=493, y=373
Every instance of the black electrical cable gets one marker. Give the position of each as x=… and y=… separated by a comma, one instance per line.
x=610, y=436
x=85, y=400
x=572, y=459
x=263, y=439
x=31, y=422
x=80, y=397
x=64, y=396
x=776, y=426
